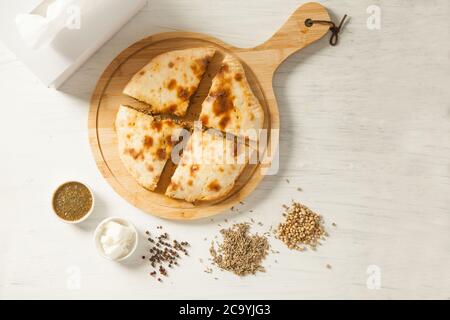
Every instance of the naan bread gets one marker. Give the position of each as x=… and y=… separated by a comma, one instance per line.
x=231, y=105
x=169, y=80
x=208, y=168
x=145, y=144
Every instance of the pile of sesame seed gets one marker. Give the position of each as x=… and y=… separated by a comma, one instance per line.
x=240, y=252
x=302, y=228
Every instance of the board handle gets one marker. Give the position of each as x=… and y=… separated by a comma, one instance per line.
x=295, y=34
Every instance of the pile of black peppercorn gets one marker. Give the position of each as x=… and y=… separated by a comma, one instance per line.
x=164, y=253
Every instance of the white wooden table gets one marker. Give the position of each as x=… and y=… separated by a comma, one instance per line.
x=365, y=134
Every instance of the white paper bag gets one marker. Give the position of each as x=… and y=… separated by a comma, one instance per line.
x=55, y=40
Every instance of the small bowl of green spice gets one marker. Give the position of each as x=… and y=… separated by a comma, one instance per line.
x=73, y=202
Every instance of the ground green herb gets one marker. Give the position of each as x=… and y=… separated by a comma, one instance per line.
x=72, y=201
x=241, y=253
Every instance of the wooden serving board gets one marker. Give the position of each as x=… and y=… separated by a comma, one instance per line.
x=260, y=64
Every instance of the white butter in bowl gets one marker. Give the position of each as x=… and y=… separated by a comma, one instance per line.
x=116, y=239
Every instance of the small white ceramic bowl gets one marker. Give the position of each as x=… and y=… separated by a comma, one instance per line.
x=86, y=215
x=98, y=232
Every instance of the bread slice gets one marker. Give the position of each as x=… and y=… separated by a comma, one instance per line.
x=231, y=105
x=169, y=80
x=145, y=144
x=208, y=168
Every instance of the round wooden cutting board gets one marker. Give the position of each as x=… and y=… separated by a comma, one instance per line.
x=259, y=63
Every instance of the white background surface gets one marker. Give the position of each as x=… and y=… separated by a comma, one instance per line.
x=365, y=134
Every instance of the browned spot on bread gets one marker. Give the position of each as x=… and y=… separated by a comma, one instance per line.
x=223, y=102
x=131, y=124
x=172, y=84
x=135, y=154
x=204, y=119
x=224, y=68
x=148, y=141
x=198, y=67
x=161, y=153
x=223, y=105
x=171, y=64
x=157, y=125
x=238, y=77
x=183, y=93
x=169, y=140
x=221, y=169
x=252, y=116
x=150, y=168
x=194, y=68
x=172, y=108
x=193, y=169
x=224, y=121
x=190, y=182
x=142, y=73
x=128, y=136
x=214, y=186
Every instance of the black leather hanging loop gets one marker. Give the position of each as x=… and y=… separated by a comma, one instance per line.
x=333, y=28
